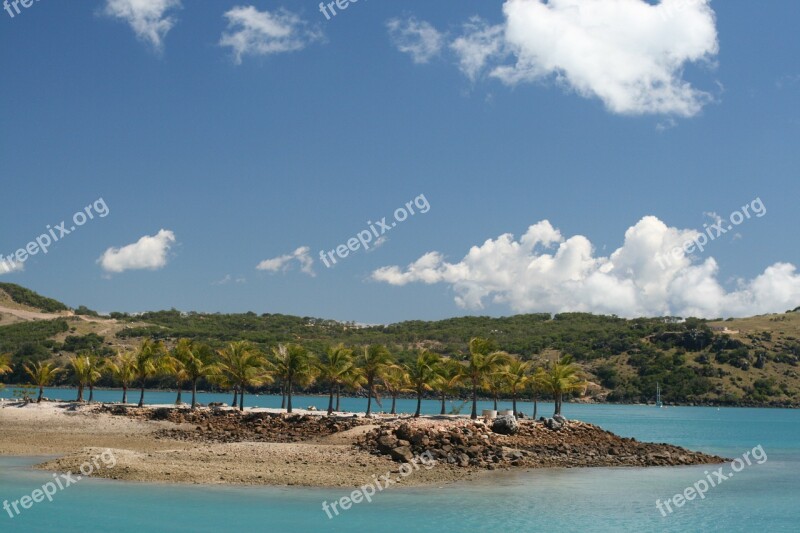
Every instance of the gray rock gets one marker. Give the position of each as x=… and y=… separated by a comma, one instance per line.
x=553, y=424
x=505, y=425
x=402, y=454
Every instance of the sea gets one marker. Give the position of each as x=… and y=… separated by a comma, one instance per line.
x=758, y=490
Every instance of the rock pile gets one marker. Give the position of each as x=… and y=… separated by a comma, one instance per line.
x=460, y=443
x=219, y=426
x=533, y=444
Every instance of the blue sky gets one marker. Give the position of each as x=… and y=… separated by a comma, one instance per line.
x=318, y=126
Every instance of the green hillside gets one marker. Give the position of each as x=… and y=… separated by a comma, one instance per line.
x=28, y=298
x=753, y=362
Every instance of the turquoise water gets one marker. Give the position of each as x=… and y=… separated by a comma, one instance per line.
x=760, y=497
x=251, y=400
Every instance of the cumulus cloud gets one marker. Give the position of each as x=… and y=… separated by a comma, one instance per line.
x=543, y=271
x=419, y=39
x=284, y=262
x=254, y=32
x=149, y=19
x=630, y=54
x=148, y=253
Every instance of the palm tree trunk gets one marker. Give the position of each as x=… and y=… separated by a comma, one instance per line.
x=514, y=403
x=558, y=405
x=41, y=393
x=369, y=398
x=141, y=398
x=283, y=396
x=419, y=403
x=289, y=396
x=394, y=404
x=235, y=395
x=194, y=394
x=338, y=394
x=80, y=393
x=241, y=399
x=178, y=399
x=495, y=402
x=474, y=415
x=535, y=405
x=124, y=394
x=444, y=401
x=91, y=393
x=330, y=402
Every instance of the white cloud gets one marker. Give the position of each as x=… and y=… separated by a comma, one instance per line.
x=418, y=39
x=479, y=43
x=630, y=54
x=544, y=271
x=284, y=262
x=229, y=279
x=148, y=18
x=254, y=32
x=149, y=252
x=8, y=265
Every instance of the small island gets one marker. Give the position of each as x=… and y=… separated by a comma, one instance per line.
x=269, y=447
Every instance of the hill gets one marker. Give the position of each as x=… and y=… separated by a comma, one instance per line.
x=751, y=361
x=28, y=298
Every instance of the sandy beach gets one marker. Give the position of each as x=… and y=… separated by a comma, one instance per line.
x=76, y=434
x=268, y=447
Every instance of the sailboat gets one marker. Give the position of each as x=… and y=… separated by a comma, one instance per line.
x=659, y=403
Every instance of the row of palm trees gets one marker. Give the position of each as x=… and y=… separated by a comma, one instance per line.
x=241, y=366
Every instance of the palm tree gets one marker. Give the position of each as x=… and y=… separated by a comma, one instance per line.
x=96, y=366
x=537, y=384
x=395, y=380
x=293, y=364
x=353, y=381
x=199, y=365
x=335, y=367
x=496, y=382
x=446, y=382
x=42, y=375
x=123, y=371
x=280, y=355
x=482, y=363
x=147, y=362
x=422, y=373
x=174, y=364
x=517, y=378
x=244, y=366
x=562, y=378
x=373, y=363
x=85, y=371
x=5, y=363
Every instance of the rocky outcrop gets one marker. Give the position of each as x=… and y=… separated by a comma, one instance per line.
x=477, y=445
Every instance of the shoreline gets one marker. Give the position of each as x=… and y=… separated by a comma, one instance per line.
x=266, y=447
x=133, y=392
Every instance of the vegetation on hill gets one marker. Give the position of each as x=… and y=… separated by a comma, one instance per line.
x=742, y=362
x=27, y=297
